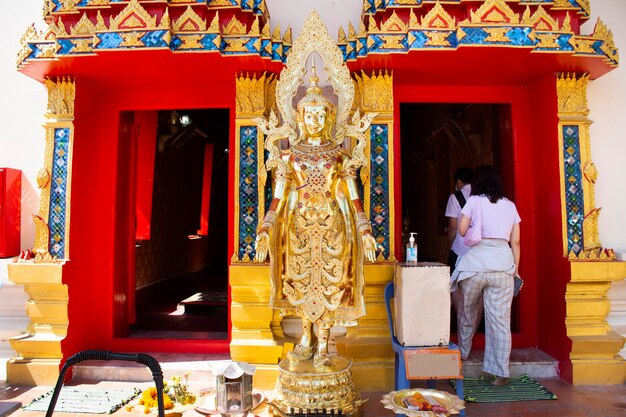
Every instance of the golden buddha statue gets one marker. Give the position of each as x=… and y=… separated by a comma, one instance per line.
x=316, y=231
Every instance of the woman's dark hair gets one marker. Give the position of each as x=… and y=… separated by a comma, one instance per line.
x=487, y=182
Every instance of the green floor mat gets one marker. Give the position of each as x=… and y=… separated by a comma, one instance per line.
x=85, y=400
x=522, y=388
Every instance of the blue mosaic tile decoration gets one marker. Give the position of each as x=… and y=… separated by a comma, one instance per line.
x=58, y=192
x=574, y=199
x=517, y=36
x=248, y=190
x=379, y=185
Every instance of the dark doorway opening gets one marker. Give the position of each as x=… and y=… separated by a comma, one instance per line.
x=436, y=139
x=182, y=268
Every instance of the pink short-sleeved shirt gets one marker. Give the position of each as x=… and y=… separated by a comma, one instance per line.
x=497, y=219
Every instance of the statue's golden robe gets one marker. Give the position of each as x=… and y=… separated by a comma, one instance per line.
x=316, y=254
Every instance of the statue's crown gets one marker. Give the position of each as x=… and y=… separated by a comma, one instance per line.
x=314, y=95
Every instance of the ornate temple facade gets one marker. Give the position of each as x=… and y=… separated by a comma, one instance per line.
x=110, y=66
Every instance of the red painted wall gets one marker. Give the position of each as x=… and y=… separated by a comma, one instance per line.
x=553, y=269
x=10, y=211
x=147, y=122
x=206, y=190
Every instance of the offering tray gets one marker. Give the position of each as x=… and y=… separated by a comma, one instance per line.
x=395, y=401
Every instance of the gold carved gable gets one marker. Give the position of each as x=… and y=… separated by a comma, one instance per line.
x=234, y=27
x=494, y=11
x=438, y=18
x=540, y=20
x=84, y=27
x=394, y=24
x=54, y=30
x=189, y=21
x=601, y=31
x=133, y=16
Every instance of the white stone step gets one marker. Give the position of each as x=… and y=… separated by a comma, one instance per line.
x=532, y=362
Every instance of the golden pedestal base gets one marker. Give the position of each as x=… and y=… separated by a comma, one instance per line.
x=303, y=389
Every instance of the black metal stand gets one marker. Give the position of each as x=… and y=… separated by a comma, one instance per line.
x=103, y=355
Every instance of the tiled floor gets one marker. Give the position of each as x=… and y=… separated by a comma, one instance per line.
x=572, y=402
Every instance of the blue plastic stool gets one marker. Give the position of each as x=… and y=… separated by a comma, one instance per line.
x=401, y=381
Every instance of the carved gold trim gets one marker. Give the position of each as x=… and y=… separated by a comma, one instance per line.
x=29, y=35
x=61, y=96
x=341, y=36
x=251, y=94
x=540, y=20
x=572, y=95
x=54, y=30
x=133, y=16
x=601, y=31
x=573, y=110
x=234, y=27
x=254, y=97
x=84, y=27
x=437, y=18
x=394, y=24
x=375, y=91
x=351, y=32
x=276, y=34
x=494, y=11
x=59, y=115
x=189, y=21
x=238, y=124
x=214, y=27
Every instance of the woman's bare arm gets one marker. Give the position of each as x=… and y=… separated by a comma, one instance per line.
x=515, y=245
x=464, y=224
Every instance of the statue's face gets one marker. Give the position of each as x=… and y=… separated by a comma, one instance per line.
x=314, y=120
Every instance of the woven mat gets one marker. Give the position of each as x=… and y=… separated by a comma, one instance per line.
x=85, y=400
x=523, y=388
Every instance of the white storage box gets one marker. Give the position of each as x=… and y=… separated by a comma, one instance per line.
x=422, y=304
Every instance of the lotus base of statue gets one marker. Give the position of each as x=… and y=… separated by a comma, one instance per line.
x=303, y=389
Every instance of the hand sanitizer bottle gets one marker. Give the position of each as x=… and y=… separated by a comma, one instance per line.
x=411, y=250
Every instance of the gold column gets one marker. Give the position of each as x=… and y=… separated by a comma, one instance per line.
x=39, y=351
x=369, y=344
x=253, y=339
x=595, y=347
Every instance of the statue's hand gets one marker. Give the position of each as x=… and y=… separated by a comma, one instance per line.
x=369, y=246
x=261, y=245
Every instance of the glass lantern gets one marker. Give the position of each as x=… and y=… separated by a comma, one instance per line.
x=234, y=391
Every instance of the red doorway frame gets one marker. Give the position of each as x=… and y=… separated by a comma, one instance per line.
x=520, y=156
x=102, y=194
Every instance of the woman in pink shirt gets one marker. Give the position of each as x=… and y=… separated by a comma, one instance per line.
x=486, y=271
